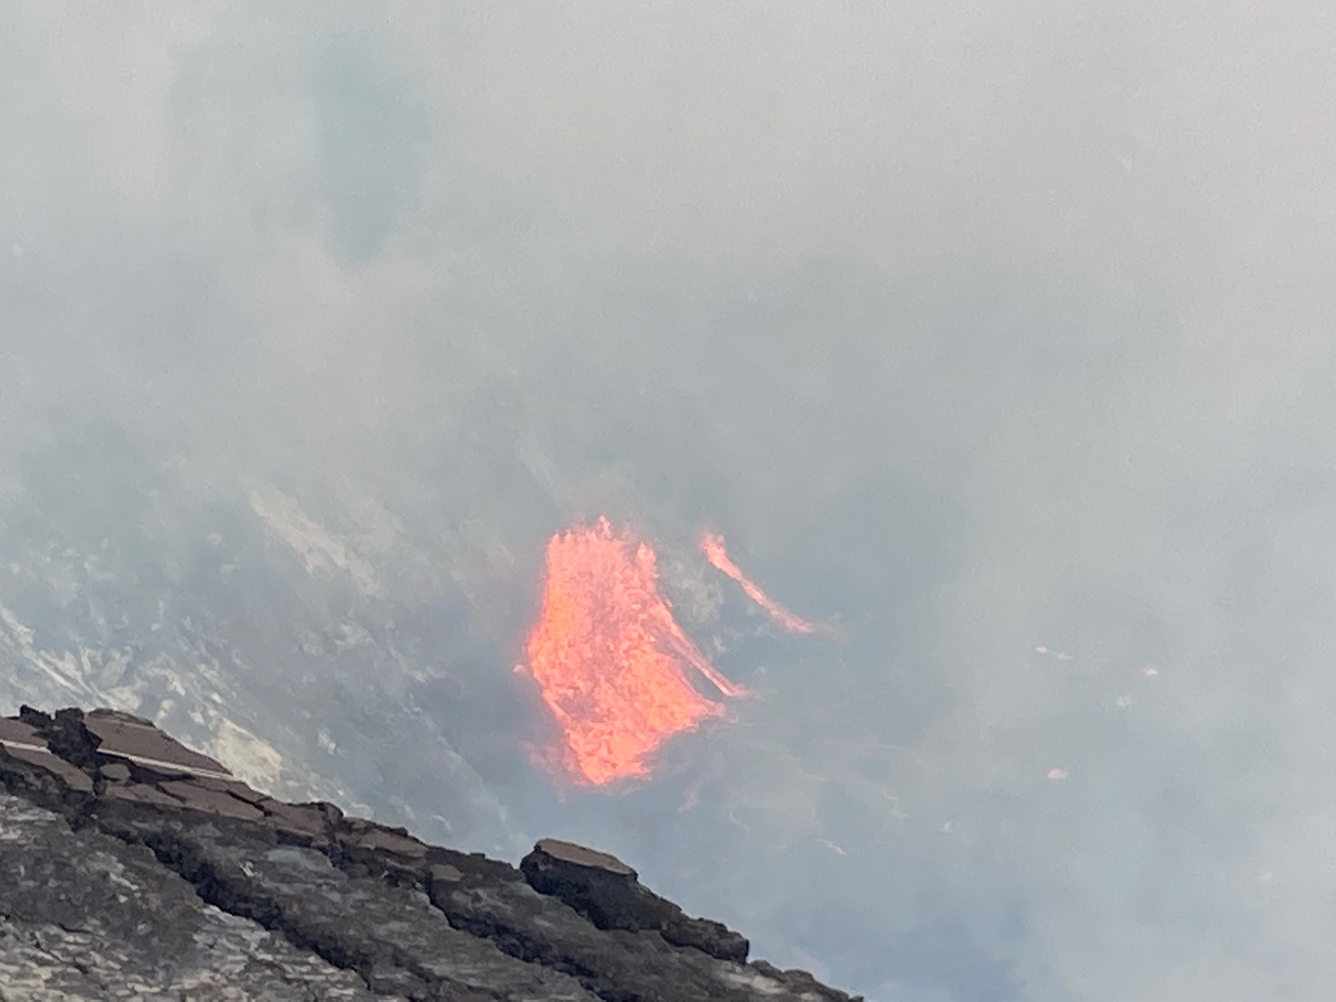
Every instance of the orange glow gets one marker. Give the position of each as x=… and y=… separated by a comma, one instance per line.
x=610, y=658
x=712, y=545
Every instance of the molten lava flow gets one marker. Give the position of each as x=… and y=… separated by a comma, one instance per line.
x=712, y=545
x=609, y=656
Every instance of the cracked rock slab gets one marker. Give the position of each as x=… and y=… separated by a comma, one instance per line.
x=85, y=916
x=133, y=867
x=392, y=936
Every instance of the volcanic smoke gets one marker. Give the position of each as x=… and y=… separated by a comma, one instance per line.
x=610, y=658
x=712, y=545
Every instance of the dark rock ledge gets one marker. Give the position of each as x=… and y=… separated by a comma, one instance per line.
x=133, y=867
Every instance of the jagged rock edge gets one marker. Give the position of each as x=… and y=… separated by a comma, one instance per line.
x=77, y=809
x=36, y=784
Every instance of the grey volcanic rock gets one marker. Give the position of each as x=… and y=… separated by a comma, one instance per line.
x=608, y=892
x=85, y=916
x=133, y=867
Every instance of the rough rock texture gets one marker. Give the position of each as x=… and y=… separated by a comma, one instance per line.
x=607, y=892
x=133, y=867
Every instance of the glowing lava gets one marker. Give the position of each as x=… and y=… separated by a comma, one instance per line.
x=712, y=545
x=610, y=658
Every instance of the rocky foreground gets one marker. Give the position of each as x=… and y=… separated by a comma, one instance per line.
x=134, y=868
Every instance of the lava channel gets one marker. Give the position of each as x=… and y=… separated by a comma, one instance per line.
x=712, y=545
x=609, y=657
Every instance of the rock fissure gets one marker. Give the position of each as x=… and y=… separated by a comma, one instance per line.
x=372, y=966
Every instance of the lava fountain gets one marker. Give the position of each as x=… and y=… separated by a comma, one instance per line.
x=610, y=659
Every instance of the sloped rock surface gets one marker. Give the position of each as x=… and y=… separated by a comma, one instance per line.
x=133, y=867
x=85, y=916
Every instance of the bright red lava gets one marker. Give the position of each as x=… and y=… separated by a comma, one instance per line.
x=610, y=658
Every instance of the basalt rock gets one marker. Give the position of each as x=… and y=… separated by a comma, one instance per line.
x=608, y=892
x=134, y=867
